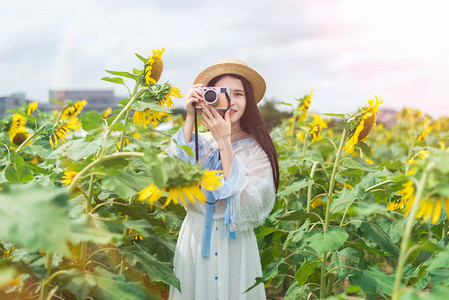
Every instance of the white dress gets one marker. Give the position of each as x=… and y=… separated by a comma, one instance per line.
x=233, y=264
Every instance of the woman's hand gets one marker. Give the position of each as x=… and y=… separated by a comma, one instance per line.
x=220, y=127
x=193, y=98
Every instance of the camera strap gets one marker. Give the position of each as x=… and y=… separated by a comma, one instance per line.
x=196, y=137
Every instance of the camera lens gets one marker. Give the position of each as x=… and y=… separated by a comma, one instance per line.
x=210, y=96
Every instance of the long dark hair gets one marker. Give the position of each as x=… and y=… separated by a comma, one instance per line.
x=251, y=122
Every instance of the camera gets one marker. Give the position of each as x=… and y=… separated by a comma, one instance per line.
x=211, y=96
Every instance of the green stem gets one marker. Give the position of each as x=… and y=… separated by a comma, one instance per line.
x=48, y=263
x=379, y=184
x=122, y=138
x=292, y=133
x=304, y=147
x=445, y=229
x=89, y=195
x=328, y=206
x=126, y=108
x=309, y=191
x=408, y=231
x=30, y=138
x=99, y=161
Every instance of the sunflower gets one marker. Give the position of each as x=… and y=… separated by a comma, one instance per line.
x=17, y=130
x=424, y=133
x=147, y=117
x=107, y=112
x=8, y=254
x=135, y=134
x=154, y=67
x=363, y=122
x=317, y=125
x=304, y=103
x=173, y=92
x=62, y=129
x=150, y=194
x=210, y=180
x=303, y=106
x=316, y=202
x=32, y=106
x=73, y=110
x=135, y=235
x=431, y=208
x=68, y=177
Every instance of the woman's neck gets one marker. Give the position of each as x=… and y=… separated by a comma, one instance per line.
x=237, y=132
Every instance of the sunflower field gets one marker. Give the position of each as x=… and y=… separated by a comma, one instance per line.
x=90, y=202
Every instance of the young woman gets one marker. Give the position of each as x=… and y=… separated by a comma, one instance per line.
x=216, y=254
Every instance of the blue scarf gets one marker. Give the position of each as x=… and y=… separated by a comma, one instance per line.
x=214, y=163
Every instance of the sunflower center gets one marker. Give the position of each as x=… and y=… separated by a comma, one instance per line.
x=367, y=126
x=19, y=138
x=156, y=68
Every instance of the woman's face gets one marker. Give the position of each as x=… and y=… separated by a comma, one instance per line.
x=238, y=97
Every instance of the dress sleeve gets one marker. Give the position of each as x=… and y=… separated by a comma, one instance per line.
x=178, y=139
x=251, y=190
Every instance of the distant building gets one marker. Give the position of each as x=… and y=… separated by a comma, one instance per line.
x=98, y=100
x=8, y=102
x=387, y=117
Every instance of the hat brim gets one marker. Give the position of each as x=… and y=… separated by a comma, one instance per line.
x=255, y=79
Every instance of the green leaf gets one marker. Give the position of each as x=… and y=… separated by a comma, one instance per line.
x=334, y=239
x=40, y=147
x=78, y=149
x=365, y=149
x=335, y=115
x=124, y=74
x=374, y=280
x=271, y=271
x=307, y=269
x=357, y=163
x=117, y=80
x=22, y=113
x=346, y=257
x=125, y=183
x=141, y=58
x=441, y=261
x=187, y=149
x=140, y=226
x=298, y=215
x=346, y=198
x=376, y=234
x=33, y=218
x=91, y=120
x=101, y=284
x=21, y=172
x=285, y=103
x=156, y=164
x=296, y=291
x=439, y=275
x=142, y=105
x=118, y=127
x=294, y=187
x=157, y=271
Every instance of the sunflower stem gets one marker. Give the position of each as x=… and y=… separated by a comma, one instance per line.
x=126, y=108
x=99, y=161
x=32, y=136
x=309, y=191
x=408, y=231
x=328, y=206
x=292, y=132
x=48, y=263
x=122, y=138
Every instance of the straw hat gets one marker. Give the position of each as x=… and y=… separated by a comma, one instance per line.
x=237, y=67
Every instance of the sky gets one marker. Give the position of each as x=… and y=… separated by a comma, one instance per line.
x=346, y=51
